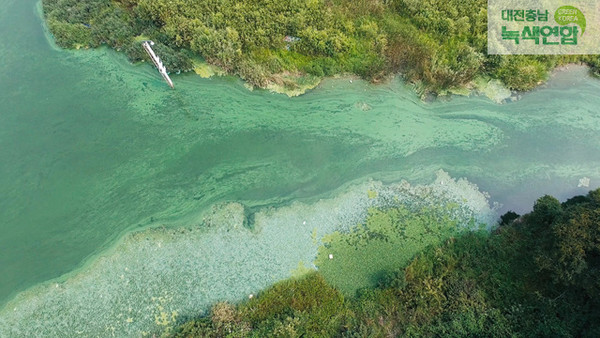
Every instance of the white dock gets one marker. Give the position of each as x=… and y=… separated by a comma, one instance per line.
x=159, y=65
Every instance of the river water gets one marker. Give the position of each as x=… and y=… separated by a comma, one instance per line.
x=92, y=147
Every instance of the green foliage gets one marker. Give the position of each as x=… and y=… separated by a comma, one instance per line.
x=437, y=43
x=521, y=72
x=594, y=63
x=508, y=217
x=573, y=255
x=454, y=63
x=298, y=307
x=171, y=58
x=88, y=23
x=447, y=18
x=318, y=308
x=70, y=35
x=545, y=210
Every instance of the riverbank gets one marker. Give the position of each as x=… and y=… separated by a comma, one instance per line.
x=296, y=84
x=289, y=47
x=517, y=280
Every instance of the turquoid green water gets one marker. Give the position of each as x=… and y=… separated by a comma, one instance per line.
x=234, y=187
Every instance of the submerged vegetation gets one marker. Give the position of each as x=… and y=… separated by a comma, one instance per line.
x=388, y=239
x=535, y=275
x=438, y=44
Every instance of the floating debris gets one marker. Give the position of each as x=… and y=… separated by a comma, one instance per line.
x=584, y=182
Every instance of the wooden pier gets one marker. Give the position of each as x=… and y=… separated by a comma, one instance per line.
x=159, y=65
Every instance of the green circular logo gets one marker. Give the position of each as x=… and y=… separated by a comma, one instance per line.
x=568, y=14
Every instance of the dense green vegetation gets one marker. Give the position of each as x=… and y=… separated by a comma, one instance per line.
x=435, y=43
x=535, y=275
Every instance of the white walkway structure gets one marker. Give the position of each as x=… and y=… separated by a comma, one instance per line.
x=159, y=65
